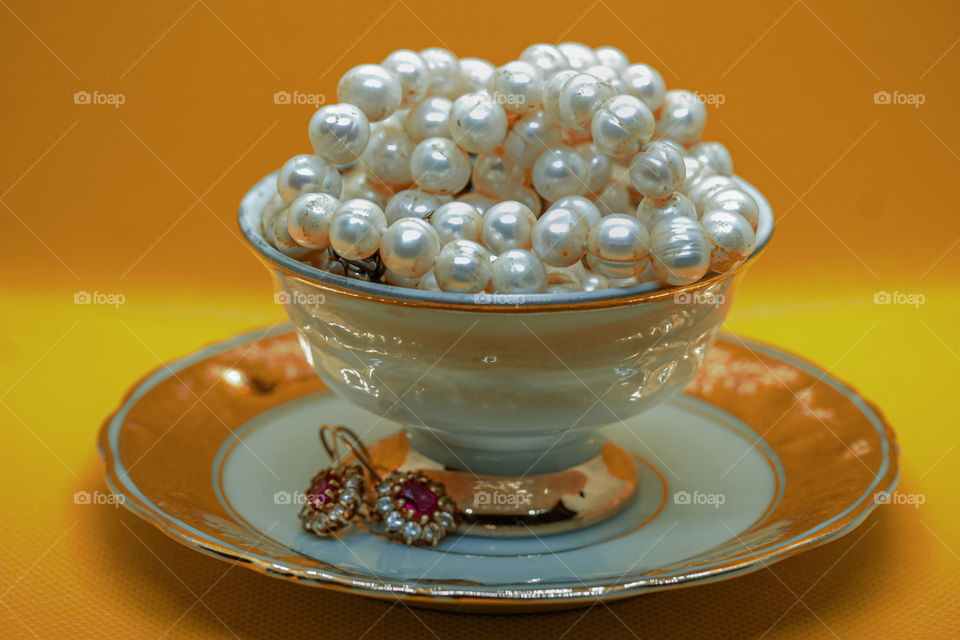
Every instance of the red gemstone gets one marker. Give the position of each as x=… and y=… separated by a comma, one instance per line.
x=418, y=497
x=317, y=495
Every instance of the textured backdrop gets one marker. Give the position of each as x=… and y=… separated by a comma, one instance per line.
x=131, y=130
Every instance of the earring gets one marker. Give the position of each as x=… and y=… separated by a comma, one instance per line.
x=336, y=494
x=414, y=509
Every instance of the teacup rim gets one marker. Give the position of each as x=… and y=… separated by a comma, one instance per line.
x=249, y=224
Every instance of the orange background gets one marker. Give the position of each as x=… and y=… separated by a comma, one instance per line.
x=140, y=200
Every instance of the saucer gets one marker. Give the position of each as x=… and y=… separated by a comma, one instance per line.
x=763, y=456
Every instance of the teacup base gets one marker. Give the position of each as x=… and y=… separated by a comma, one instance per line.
x=533, y=505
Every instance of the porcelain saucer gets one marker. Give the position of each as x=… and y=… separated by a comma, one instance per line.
x=763, y=456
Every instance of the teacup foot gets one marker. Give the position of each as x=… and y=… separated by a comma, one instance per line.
x=534, y=505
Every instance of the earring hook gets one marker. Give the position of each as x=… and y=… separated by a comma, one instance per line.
x=353, y=443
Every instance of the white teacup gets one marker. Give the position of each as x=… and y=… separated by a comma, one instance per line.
x=515, y=385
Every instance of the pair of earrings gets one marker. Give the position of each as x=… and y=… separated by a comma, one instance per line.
x=412, y=508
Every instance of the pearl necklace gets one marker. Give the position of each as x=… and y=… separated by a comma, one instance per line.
x=570, y=169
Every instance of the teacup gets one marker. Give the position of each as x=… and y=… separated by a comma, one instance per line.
x=496, y=384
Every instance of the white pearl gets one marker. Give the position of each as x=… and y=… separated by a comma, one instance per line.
x=308, y=219
x=463, y=266
x=359, y=183
x=496, y=176
x=444, y=72
x=457, y=220
x=715, y=155
x=411, y=203
x=695, y=171
x=617, y=270
x=615, y=198
x=550, y=96
x=546, y=58
x=281, y=239
x=731, y=237
x=622, y=125
x=657, y=171
x=356, y=229
x=274, y=207
x=440, y=166
x=651, y=212
x=518, y=271
x=580, y=97
x=399, y=281
x=682, y=117
x=372, y=89
x=560, y=237
x=307, y=173
x=559, y=172
x=608, y=75
x=734, y=200
x=479, y=201
x=595, y=282
x=529, y=197
x=612, y=57
x=475, y=75
x=680, y=251
x=528, y=138
x=570, y=278
x=409, y=247
x=579, y=56
x=387, y=156
x=429, y=282
x=429, y=118
x=339, y=133
x=619, y=238
x=644, y=82
x=582, y=206
x=707, y=186
x=599, y=166
x=477, y=123
x=412, y=72
x=517, y=86
x=508, y=225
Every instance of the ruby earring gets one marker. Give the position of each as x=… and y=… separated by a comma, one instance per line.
x=413, y=508
x=336, y=494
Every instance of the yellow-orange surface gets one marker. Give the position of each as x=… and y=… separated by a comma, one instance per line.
x=139, y=201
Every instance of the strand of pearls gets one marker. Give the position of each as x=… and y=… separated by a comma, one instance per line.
x=569, y=169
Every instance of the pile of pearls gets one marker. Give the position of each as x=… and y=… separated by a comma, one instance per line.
x=570, y=169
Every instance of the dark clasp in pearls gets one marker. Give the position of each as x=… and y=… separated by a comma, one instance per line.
x=372, y=267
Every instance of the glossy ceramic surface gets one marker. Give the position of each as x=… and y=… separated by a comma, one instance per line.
x=514, y=386
x=763, y=456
